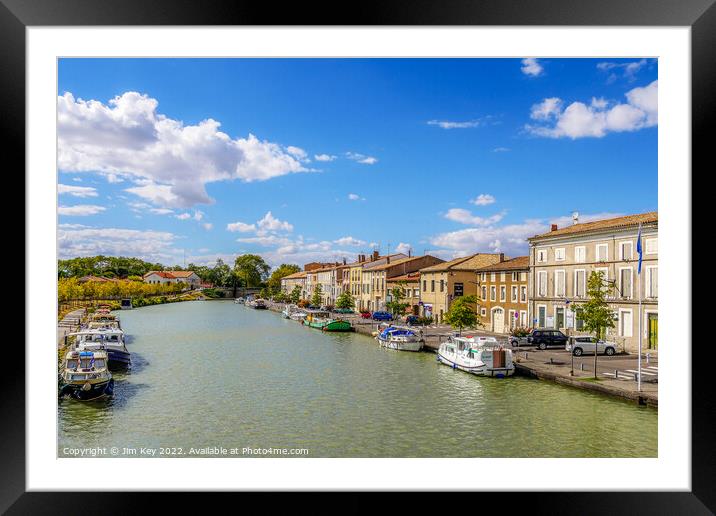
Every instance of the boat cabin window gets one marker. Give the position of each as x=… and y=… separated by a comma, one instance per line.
x=85, y=363
x=72, y=363
x=99, y=363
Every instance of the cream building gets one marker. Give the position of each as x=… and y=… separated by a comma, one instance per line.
x=441, y=283
x=502, y=294
x=562, y=259
x=297, y=279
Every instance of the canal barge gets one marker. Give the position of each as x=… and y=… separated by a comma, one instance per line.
x=400, y=338
x=481, y=356
x=86, y=376
x=321, y=320
x=109, y=340
x=258, y=304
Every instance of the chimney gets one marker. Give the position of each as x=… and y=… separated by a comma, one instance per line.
x=344, y=261
x=409, y=252
x=375, y=256
x=575, y=217
x=361, y=258
x=554, y=227
x=502, y=257
x=387, y=259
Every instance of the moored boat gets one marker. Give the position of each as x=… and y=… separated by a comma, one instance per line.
x=239, y=301
x=400, y=338
x=258, y=304
x=321, y=320
x=86, y=376
x=477, y=355
x=109, y=340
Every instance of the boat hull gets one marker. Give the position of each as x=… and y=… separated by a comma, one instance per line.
x=479, y=370
x=415, y=345
x=96, y=391
x=329, y=326
x=117, y=359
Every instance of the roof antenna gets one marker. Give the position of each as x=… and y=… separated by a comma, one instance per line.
x=575, y=217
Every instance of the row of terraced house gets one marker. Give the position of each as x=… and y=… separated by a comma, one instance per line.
x=524, y=291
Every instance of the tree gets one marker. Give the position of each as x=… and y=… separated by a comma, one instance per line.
x=396, y=306
x=317, y=297
x=345, y=301
x=463, y=313
x=595, y=312
x=220, y=274
x=283, y=270
x=252, y=269
x=296, y=294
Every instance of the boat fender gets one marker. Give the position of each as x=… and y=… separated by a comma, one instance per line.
x=87, y=386
x=454, y=365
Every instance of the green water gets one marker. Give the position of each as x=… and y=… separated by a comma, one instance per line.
x=220, y=375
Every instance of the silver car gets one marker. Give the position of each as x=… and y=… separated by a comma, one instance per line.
x=585, y=345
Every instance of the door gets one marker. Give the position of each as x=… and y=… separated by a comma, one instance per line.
x=498, y=320
x=653, y=328
x=559, y=318
x=542, y=311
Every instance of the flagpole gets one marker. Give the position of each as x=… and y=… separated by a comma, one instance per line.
x=638, y=383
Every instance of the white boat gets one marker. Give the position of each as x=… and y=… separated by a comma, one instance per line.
x=482, y=356
x=239, y=301
x=110, y=340
x=286, y=312
x=401, y=338
x=85, y=375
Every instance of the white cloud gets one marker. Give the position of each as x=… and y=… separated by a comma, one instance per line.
x=76, y=191
x=447, y=124
x=184, y=216
x=298, y=153
x=465, y=217
x=629, y=70
x=80, y=210
x=207, y=225
x=77, y=179
x=403, y=247
x=161, y=211
x=271, y=223
x=324, y=157
x=168, y=161
x=510, y=239
x=355, y=197
x=532, y=67
x=197, y=216
x=483, y=200
x=349, y=241
x=85, y=241
x=241, y=227
x=500, y=149
x=361, y=158
x=599, y=118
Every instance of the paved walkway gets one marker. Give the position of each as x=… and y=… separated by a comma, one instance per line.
x=68, y=324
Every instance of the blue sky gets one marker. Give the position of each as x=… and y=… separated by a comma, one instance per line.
x=303, y=159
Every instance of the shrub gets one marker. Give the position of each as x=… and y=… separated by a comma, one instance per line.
x=520, y=332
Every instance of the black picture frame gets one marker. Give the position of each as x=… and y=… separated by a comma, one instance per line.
x=700, y=15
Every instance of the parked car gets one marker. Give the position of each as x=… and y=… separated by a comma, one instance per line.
x=382, y=316
x=365, y=315
x=581, y=345
x=343, y=311
x=411, y=319
x=547, y=338
x=518, y=341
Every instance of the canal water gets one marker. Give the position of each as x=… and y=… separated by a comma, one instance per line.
x=214, y=374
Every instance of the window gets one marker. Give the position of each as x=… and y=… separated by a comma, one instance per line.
x=625, y=282
x=542, y=316
x=484, y=293
x=559, y=285
x=602, y=252
x=542, y=283
x=523, y=296
x=652, y=282
x=559, y=254
x=502, y=277
x=651, y=246
x=580, y=254
x=483, y=312
x=514, y=294
x=493, y=293
x=625, y=250
x=493, y=277
x=515, y=276
x=432, y=285
x=503, y=293
x=425, y=285
x=442, y=285
x=541, y=256
x=625, y=323
x=483, y=276
x=579, y=283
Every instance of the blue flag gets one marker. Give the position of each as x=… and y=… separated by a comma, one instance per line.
x=638, y=248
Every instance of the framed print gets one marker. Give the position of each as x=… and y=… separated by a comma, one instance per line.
x=407, y=250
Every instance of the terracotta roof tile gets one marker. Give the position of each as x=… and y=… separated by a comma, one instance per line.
x=598, y=225
x=520, y=262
